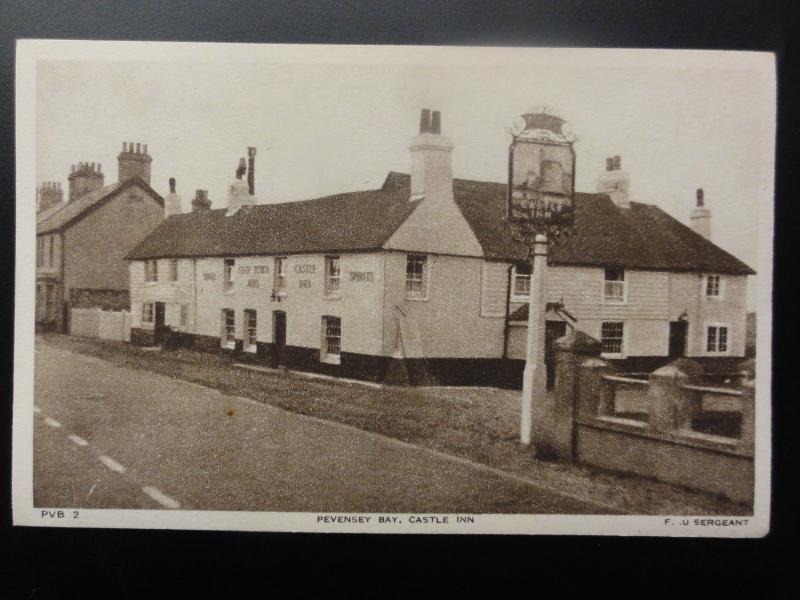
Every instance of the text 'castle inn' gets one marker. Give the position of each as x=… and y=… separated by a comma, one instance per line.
x=421, y=281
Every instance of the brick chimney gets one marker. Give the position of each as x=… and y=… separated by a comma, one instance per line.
x=201, y=201
x=172, y=203
x=701, y=216
x=431, y=160
x=50, y=194
x=251, y=170
x=134, y=161
x=615, y=182
x=84, y=178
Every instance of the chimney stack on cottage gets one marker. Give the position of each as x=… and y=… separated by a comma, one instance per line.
x=84, y=178
x=251, y=170
x=239, y=194
x=615, y=182
x=134, y=161
x=431, y=160
x=50, y=194
x=172, y=202
x=701, y=216
x=201, y=201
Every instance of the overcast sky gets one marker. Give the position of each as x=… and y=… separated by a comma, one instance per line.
x=327, y=128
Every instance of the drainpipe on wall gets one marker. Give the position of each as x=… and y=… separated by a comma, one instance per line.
x=506, y=324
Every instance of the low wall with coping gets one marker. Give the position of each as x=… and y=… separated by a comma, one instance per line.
x=655, y=435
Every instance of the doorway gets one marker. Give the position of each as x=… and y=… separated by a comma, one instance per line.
x=158, y=333
x=279, y=335
x=677, y=338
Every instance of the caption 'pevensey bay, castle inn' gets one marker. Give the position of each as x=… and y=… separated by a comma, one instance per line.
x=421, y=281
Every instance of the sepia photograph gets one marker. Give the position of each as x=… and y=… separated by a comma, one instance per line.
x=393, y=289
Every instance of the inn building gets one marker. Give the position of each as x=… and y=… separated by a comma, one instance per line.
x=81, y=242
x=421, y=281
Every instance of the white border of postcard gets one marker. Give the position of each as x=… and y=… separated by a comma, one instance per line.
x=24, y=513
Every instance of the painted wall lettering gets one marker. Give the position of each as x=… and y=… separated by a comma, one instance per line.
x=244, y=270
x=209, y=276
x=252, y=283
x=361, y=276
x=305, y=268
x=305, y=283
x=261, y=269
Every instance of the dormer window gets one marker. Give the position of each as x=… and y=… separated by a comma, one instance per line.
x=713, y=286
x=614, y=291
x=521, y=282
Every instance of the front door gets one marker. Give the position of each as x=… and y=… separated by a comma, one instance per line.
x=159, y=323
x=677, y=338
x=279, y=334
x=552, y=331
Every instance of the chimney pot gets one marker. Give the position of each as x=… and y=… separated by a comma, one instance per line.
x=436, y=122
x=610, y=163
x=130, y=147
x=425, y=121
x=145, y=148
x=171, y=185
x=138, y=148
x=700, y=199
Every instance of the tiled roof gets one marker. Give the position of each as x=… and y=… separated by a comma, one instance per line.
x=356, y=221
x=642, y=236
x=65, y=213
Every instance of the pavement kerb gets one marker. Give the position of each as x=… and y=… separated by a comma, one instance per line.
x=438, y=453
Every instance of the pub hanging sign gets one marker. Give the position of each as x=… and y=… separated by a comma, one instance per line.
x=541, y=173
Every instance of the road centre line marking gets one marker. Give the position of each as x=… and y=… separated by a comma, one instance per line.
x=160, y=497
x=112, y=464
x=52, y=422
x=76, y=439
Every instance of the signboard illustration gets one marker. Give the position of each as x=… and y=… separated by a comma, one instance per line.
x=541, y=171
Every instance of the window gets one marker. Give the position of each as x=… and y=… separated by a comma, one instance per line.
x=332, y=276
x=280, y=273
x=416, y=273
x=717, y=338
x=227, y=278
x=51, y=246
x=151, y=270
x=39, y=251
x=184, y=315
x=331, y=340
x=228, y=328
x=173, y=269
x=611, y=334
x=252, y=335
x=713, y=286
x=147, y=312
x=614, y=285
x=521, y=281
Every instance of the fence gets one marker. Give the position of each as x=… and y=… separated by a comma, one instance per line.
x=104, y=324
x=671, y=426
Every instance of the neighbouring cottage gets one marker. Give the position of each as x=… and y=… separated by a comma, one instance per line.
x=421, y=281
x=81, y=243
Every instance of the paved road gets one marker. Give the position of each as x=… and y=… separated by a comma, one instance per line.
x=112, y=437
